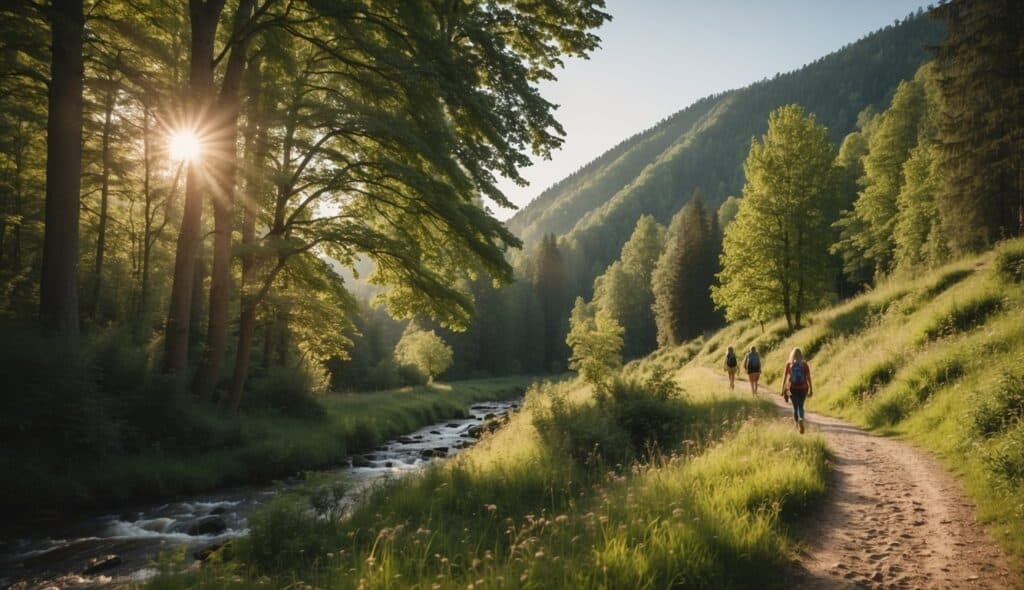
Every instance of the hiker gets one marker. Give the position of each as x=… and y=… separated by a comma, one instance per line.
x=752, y=365
x=731, y=364
x=796, y=384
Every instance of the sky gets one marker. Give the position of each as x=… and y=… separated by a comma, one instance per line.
x=659, y=56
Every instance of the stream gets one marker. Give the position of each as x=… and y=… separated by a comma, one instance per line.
x=121, y=546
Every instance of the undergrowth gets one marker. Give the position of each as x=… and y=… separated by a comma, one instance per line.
x=647, y=486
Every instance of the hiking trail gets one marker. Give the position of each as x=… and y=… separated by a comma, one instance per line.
x=894, y=518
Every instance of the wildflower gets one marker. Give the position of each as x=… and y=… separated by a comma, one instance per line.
x=370, y=561
x=539, y=554
x=476, y=563
x=561, y=519
x=491, y=507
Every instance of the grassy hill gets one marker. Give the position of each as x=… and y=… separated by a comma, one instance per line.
x=704, y=145
x=937, y=360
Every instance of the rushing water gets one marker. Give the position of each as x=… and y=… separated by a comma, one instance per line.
x=60, y=555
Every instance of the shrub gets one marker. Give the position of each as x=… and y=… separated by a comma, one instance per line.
x=650, y=412
x=1002, y=408
x=287, y=390
x=1004, y=459
x=293, y=529
x=1009, y=264
x=630, y=418
x=587, y=433
x=963, y=317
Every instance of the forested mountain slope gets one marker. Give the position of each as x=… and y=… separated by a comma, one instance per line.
x=595, y=209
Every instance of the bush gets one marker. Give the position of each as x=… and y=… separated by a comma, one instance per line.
x=649, y=412
x=963, y=317
x=632, y=418
x=586, y=433
x=1009, y=264
x=293, y=529
x=287, y=390
x=1002, y=408
x=1004, y=459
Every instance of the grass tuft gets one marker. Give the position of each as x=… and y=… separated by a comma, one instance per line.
x=1009, y=263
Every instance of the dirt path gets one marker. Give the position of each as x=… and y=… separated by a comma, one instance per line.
x=895, y=519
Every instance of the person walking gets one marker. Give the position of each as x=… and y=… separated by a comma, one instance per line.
x=731, y=364
x=796, y=385
x=752, y=365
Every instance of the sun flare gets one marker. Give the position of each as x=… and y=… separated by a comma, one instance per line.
x=184, y=146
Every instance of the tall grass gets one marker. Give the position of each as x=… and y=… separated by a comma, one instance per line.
x=697, y=499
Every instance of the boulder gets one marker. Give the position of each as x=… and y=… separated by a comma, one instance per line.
x=207, y=525
x=360, y=461
x=99, y=564
x=452, y=425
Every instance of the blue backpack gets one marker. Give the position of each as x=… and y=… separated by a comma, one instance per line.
x=797, y=375
x=753, y=363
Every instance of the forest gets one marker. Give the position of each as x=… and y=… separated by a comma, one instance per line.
x=245, y=239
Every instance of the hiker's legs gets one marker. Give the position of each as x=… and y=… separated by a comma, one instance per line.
x=754, y=377
x=732, y=378
x=798, y=404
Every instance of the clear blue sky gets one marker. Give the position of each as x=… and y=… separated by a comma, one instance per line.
x=658, y=56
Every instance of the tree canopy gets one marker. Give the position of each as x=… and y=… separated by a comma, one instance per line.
x=775, y=254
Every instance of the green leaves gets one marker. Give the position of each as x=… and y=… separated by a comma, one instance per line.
x=775, y=253
x=596, y=341
x=423, y=350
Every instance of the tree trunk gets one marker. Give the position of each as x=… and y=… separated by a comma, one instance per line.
x=225, y=170
x=101, y=234
x=58, y=285
x=147, y=220
x=203, y=17
x=256, y=153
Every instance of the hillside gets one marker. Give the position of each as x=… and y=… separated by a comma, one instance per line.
x=704, y=145
x=938, y=361
x=668, y=479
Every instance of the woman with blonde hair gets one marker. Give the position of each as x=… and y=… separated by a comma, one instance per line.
x=796, y=385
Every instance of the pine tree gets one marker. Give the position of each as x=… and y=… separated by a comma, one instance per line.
x=774, y=255
x=872, y=234
x=980, y=69
x=625, y=288
x=58, y=285
x=549, y=283
x=684, y=274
